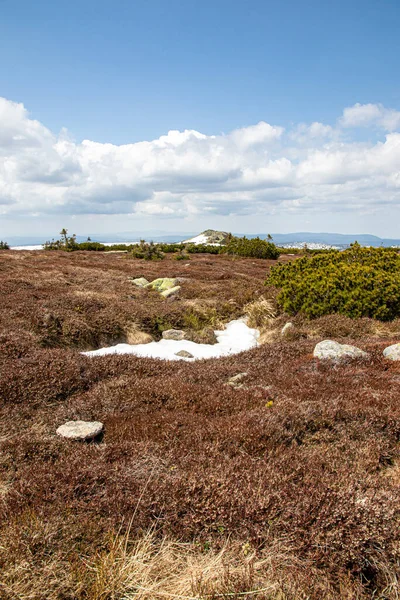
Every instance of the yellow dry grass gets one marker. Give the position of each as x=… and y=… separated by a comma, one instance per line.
x=135, y=336
x=155, y=570
x=147, y=568
x=260, y=313
x=94, y=294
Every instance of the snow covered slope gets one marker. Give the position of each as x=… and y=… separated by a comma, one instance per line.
x=210, y=237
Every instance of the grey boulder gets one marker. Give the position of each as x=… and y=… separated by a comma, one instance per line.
x=174, y=334
x=80, y=430
x=392, y=352
x=184, y=354
x=330, y=350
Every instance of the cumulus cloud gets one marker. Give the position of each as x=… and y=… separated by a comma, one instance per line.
x=366, y=115
x=259, y=169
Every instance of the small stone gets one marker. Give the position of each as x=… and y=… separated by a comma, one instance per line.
x=237, y=380
x=287, y=329
x=392, y=352
x=174, y=334
x=184, y=354
x=80, y=430
x=171, y=292
x=330, y=350
x=140, y=282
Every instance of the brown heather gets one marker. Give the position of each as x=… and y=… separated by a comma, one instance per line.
x=287, y=488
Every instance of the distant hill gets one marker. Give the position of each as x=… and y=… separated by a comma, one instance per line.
x=209, y=236
x=334, y=239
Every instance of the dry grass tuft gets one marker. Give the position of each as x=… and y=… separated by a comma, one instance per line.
x=260, y=312
x=135, y=336
x=153, y=569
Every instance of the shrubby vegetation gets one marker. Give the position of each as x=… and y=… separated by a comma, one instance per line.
x=66, y=242
x=359, y=282
x=298, y=468
x=148, y=251
x=4, y=245
x=254, y=248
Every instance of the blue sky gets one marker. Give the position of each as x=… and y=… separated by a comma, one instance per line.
x=127, y=71
x=122, y=71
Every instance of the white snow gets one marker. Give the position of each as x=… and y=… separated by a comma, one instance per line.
x=236, y=337
x=26, y=247
x=200, y=239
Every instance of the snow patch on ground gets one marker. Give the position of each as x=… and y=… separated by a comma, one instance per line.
x=236, y=337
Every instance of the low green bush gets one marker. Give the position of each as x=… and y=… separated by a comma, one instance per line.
x=358, y=282
x=4, y=245
x=253, y=248
x=94, y=246
x=204, y=249
x=148, y=251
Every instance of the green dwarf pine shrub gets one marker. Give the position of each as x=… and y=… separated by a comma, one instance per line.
x=359, y=282
x=253, y=248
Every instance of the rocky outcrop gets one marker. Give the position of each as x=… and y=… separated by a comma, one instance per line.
x=166, y=286
x=330, y=350
x=80, y=430
x=163, y=283
x=209, y=236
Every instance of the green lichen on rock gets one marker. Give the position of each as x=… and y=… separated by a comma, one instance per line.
x=163, y=283
x=140, y=282
x=171, y=291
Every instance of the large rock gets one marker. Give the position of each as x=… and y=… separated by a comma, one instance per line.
x=169, y=293
x=330, y=350
x=184, y=354
x=80, y=430
x=140, y=282
x=392, y=352
x=163, y=283
x=174, y=334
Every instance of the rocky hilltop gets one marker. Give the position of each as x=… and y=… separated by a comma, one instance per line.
x=209, y=236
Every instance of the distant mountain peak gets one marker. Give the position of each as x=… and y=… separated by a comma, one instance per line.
x=209, y=236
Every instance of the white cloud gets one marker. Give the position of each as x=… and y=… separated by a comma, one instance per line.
x=366, y=115
x=262, y=133
x=256, y=170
